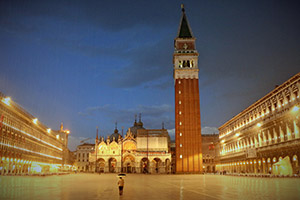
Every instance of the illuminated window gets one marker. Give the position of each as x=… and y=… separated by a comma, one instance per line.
x=179, y=112
x=180, y=134
x=180, y=145
x=180, y=123
x=179, y=92
x=179, y=102
x=179, y=82
x=180, y=156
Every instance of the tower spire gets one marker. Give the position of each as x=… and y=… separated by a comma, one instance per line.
x=61, y=126
x=184, y=30
x=182, y=7
x=97, y=134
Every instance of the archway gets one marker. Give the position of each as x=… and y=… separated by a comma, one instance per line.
x=128, y=164
x=144, y=165
x=156, y=165
x=112, y=165
x=100, y=165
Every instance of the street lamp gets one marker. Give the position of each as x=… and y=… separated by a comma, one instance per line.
x=6, y=101
x=122, y=151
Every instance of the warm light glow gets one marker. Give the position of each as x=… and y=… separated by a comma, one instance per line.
x=6, y=101
x=295, y=109
x=222, y=141
x=67, y=131
x=237, y=134
x=49, y=130
x=259, y=124
x=27, y=150
x=35, y=121
x=32, y=136
x=57, y=136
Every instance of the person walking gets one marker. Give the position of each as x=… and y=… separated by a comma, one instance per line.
x=121, y=185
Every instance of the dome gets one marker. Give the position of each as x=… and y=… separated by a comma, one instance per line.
x=115, y=135
x=136, y=126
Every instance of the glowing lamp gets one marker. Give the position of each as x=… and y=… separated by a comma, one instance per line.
x=49, y=130
x=35, y=120
x=237, y=134
x=6, y=101
x=259, y=124
x=295, y=109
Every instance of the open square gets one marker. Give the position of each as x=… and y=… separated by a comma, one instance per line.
x=140, y=186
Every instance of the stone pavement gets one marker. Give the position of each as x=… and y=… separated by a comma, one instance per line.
x=145, y=187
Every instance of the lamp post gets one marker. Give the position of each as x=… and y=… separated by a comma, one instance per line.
x=122, y=151
x=96, y=149
x=148, y=152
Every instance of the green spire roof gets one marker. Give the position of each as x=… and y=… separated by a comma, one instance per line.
x=184, y=28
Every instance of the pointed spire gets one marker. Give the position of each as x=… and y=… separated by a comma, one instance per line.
x=184, y=30
x=116, y=125
x=140, y=117
x=97, y=134
x=61, y=126
x=163, y=125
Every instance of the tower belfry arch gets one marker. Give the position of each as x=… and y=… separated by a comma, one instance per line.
x=187, y=102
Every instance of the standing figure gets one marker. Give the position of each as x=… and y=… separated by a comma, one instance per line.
x=121, y=185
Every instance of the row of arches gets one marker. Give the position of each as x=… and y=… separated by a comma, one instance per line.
x=132, y=165
x=284, y=132
x=264, y=165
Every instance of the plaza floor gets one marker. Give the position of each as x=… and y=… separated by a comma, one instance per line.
x=144, y=187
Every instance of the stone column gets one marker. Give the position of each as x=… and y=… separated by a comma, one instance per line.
x=270, y=137
x=288, y=131
x=281, y=134
x=275, y=135
x=296, y=129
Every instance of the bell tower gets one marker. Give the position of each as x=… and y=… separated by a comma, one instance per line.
x=187, y=102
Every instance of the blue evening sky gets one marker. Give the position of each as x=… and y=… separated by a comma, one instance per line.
x=91, y=63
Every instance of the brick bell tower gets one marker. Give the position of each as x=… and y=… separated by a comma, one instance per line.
x=187, y=103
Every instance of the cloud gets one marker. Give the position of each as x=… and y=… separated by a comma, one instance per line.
x=152, y=116
x=172, y=133
x=148, y=63
x=209, y=130
x=73, y=142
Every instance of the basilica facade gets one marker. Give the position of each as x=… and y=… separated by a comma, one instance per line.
x=140, y=150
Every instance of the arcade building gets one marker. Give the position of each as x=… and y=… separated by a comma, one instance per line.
x=264, y=138
x=27, y=146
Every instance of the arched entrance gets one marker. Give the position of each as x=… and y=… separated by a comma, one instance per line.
x=100, y=165
x=128, y=165
x=208, y=169
x=112, y=165
x=144, y=165
x=157, y=164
